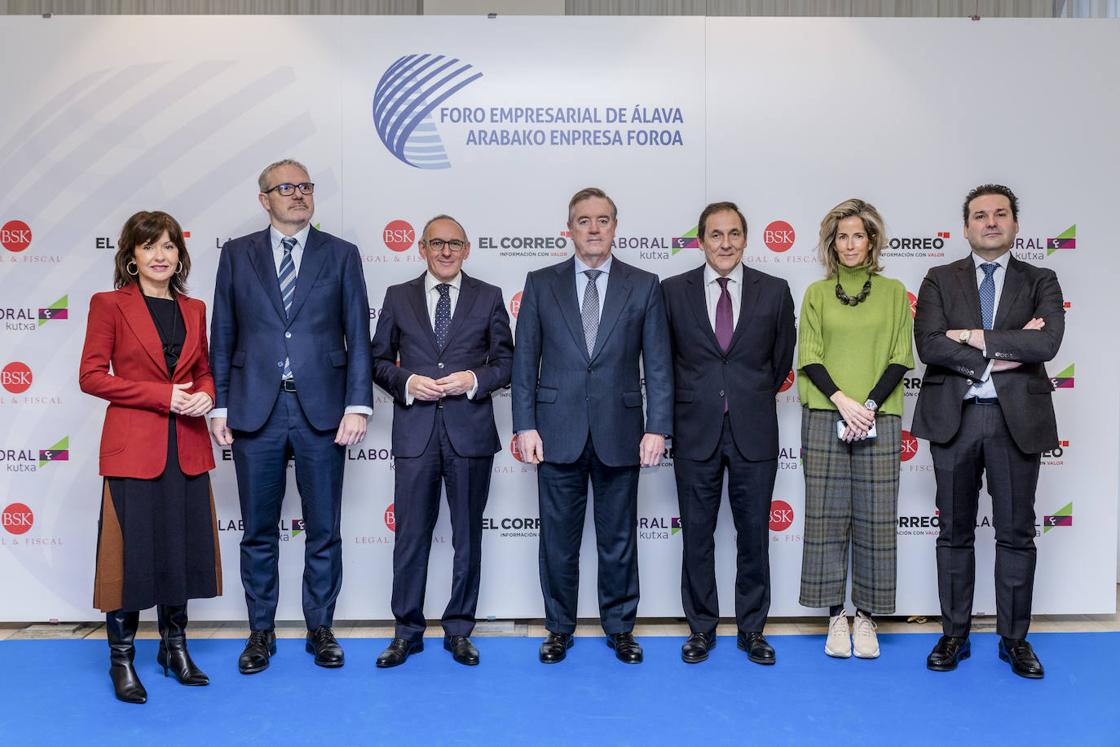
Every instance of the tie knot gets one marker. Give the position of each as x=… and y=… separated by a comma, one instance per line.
x=592, y=275
x=288, y=243
x=444, y=290
x=722, y=283
x=989, y=268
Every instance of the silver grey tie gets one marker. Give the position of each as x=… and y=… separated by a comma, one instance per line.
x=591, y=309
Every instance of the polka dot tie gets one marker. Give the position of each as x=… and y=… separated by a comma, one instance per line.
x=988, y=293
x=590, y=310
x=443, y=314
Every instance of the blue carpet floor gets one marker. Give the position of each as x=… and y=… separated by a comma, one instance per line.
x=59, y=692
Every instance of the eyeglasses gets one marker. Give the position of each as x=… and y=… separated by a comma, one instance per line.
x=437, y=245
x=287, y=190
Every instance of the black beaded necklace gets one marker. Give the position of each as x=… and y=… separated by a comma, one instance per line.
x=859, y=298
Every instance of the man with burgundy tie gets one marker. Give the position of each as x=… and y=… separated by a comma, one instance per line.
x=291, y=361
x=732, y=330
x=985, y=327
x=442, y=348
x=583, y=327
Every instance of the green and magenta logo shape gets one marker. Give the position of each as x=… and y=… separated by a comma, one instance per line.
x=1064, y=378
x=60, y=309
x=60, y=452
x=1067, y=239
x=676, y=525
x=689, y=240
x=1063, y=517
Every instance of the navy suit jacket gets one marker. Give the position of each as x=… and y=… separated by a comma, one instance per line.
x=950, y=299
x=479, y=340
x=565, y=394
x=326, y=336
x=749, y=373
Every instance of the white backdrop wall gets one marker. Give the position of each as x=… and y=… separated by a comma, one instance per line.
x=107, y=116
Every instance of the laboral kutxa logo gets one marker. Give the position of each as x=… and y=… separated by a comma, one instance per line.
x=1064, y=378
x=403, y=101
x=31, y=460
x=1063, y=517
x=27, y=319
x=1037, y=247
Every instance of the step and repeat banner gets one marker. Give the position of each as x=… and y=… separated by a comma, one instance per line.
x=498, y=122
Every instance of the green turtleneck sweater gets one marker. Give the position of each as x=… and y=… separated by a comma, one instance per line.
x=854, y=343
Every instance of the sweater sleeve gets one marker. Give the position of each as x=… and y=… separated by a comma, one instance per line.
x=810, y=341
x=902, y=346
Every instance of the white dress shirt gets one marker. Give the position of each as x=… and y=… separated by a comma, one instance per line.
x=734, y=289
x=277, y=239
x=986, y=387
x=431, y=297
x=601, y=283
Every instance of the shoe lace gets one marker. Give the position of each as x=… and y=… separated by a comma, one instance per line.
x=865, y=626
x=838, y=624
x=325, y=635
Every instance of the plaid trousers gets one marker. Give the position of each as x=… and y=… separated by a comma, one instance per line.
x=851, y=498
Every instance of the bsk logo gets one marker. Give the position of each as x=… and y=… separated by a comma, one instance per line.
x=1063, y=517
x=909, y=446
x=778, y=236
x=409, y=90
x=15, y=235
x=399, y=235
x=515, y=304
x=391, y=518
x=16, y=377
x=17, y=518
x=913, y=304
x=781, y=515
x=790, y=378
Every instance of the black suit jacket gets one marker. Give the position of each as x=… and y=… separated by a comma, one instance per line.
x=949, y=299
x=750, y=372
x=479, y=340
x=565, y=394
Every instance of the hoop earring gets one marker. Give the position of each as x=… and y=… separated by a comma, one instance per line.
x=179, y=271
x=134, y=271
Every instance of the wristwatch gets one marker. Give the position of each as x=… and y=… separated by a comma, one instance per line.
x=962, y=338
x=871, y=405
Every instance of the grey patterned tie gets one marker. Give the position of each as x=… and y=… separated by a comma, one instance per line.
x=443, y=314
x=591, y=309
x=287, y=278
x=988, y=293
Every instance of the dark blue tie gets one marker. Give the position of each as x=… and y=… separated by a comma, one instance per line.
x=988, y=293
x=443, y=314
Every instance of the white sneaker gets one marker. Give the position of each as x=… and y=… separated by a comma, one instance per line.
x=866, y=642
x=839, y=641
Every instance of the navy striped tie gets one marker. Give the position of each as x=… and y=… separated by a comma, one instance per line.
x=287, y=278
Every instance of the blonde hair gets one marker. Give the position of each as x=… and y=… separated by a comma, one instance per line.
x=872, y=224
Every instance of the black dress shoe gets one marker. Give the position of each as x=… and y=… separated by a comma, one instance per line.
x=948, y=652
x=258, y=649
x=1022, y=658
x=696, y=648
x=626, y=649
x=398, y=651
x=322, y=643
x=555, y=647
x=758, y=650
x=461, y=648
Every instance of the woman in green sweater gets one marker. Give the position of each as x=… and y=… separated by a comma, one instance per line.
x=854, y=347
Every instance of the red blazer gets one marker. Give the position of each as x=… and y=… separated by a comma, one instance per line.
x=120, y=332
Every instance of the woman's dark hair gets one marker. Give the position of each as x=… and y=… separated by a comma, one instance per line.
x=144, y=228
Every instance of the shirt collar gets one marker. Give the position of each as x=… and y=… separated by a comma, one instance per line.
x=431, y=281
x=735, y=276
x=300, y=236
x=1001, y=261
x=605, y=268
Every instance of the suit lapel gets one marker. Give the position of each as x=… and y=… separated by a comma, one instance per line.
x=564, y=291
x=1012, y=286
x=966, y=274
x=618, y=292
x=697, y=302
x=309, y=268
x=468, y=294
x=747, y=302
x=260, y=255
x=418, y=302
x=139, y=320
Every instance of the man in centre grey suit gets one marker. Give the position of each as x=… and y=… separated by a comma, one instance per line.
x=582, y=328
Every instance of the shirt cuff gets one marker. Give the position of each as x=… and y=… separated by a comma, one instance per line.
x=474, y=389
x=358, y=410
x=408, y=398
x=988, y=371
x=218, y=412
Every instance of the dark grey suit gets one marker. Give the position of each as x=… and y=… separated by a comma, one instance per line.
x=1003, y=440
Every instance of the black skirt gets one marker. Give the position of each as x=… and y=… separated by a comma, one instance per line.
x=157, y=540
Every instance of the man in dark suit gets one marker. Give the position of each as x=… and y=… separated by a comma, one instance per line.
x=577, y=412
x=733, y=337
x=290, y=355
x=451, y=334
x=985, y=326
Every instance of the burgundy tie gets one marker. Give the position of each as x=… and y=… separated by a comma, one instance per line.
x=725, y=325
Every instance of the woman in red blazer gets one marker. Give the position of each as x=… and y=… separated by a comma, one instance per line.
x=145, y=352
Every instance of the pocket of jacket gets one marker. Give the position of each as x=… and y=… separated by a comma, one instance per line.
x=337, y=358
x=632, y=399
x=237, y=360
x=546, y=394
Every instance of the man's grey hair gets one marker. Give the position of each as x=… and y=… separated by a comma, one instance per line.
x=442, y=216
x=262, y=180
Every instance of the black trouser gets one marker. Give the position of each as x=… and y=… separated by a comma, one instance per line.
x=750, y=486
x=984, y=445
